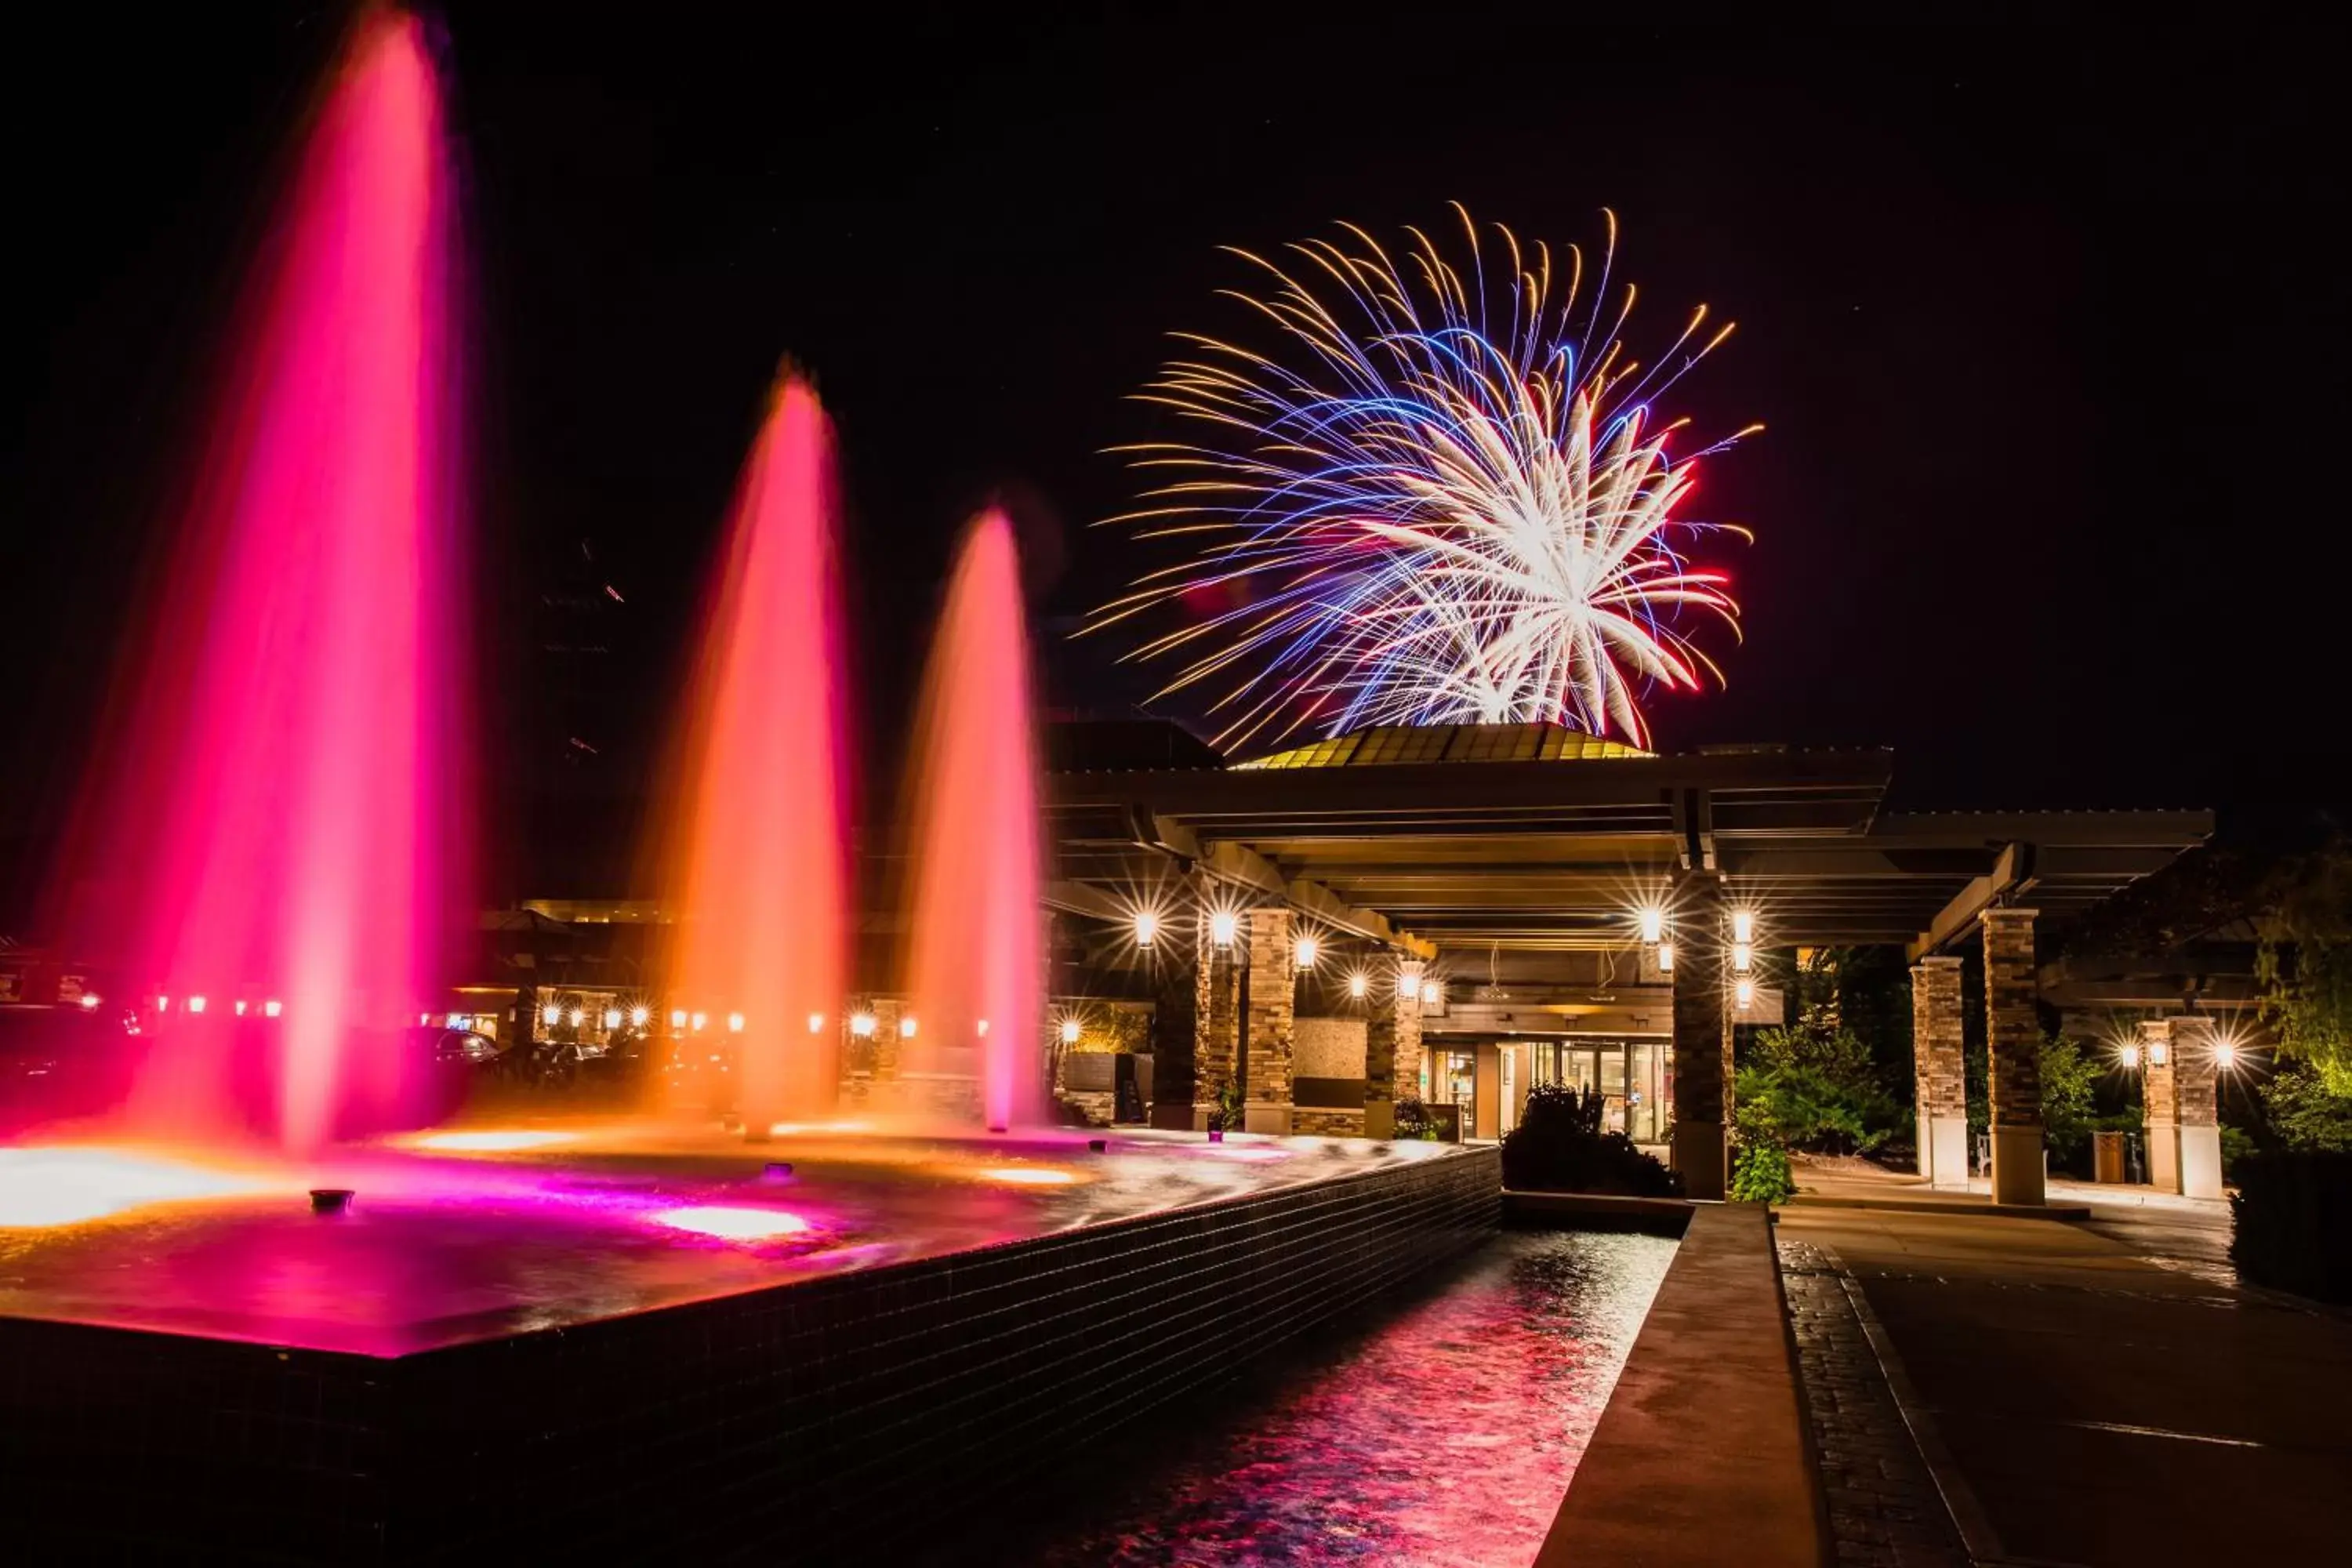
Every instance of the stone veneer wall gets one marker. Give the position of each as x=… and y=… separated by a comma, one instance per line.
x=1272, y=995
x=2013, y=1026
x=868, y=1417
x=2196, y=1077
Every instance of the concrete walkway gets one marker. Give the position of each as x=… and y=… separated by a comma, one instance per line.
x=2086, y=1393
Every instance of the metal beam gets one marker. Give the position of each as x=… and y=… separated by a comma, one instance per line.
x=2013, y=871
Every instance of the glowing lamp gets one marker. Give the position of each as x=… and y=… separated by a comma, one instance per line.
x=195, y=1004
x=678, y=1018
x=727, y=1222
x=1666, y=958
x=862, y=1026
x=698, y=1020
x=551, y=1015
x=163, y=1004
x=1745, y=992
x=423, y=1018
x=240, y=1007
x=612, y=1018
x=2158, y=1053
x=637, y=1016
x=1432, y=992
x=576, y=1014
x=734, y=1022
x=1653, y=924
x=89, y=1000
x=984, y=1028
x=816, y=1022
x=1743, y=925
x=1359, y=984
x=1307, y=951
x=456, y=1021
x=272, y=1008
x=1224, y=925
x=907, y=1027
x=1146, y=928
x=2129, y=1055
x=1743, y=958
x=1070, y=1031
x=2225, y=1056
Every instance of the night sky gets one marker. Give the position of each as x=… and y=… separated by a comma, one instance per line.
x=2040, y=318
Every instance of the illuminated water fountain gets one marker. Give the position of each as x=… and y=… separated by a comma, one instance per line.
x=281, y=809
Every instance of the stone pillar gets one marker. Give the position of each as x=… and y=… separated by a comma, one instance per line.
x=2194, y=1142
x=1940, y=1071
x=2014, y=1046
x=887, y=1044
x=1702, y=1147
x=1273, y=1004
x=1412, y=1062
x=1179, y=989
x=2160, y=1104
x=1391, y=1050
x=1216, y=1022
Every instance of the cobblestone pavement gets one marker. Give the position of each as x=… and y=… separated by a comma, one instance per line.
x=1885, y=1512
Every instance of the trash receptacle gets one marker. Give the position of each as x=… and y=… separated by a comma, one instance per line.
x=2107, y=1157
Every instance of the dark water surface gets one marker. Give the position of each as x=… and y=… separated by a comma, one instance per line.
x=1440, y=1429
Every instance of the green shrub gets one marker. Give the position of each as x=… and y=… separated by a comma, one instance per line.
x=1415, y=1121
x=1559, y=1147
x=1760, y=1174
x=2290, y=1222
x=2306, y=1113
x=1227, y=1115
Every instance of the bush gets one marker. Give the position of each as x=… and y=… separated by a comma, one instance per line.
x=2305, y=1113
x=2291, y=1221
x=1814, y=1087
x=1559, y=1147
x=2069, y=1078
x=1760, y=1174
x=1227, y=1115
x=1415, y=1121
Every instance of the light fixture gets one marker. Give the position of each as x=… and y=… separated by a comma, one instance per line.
x=2225, y=1056
x=551, y=1015
x=423, y=1019
x=163, y=1004
x=907, y=1027
x=240, y=1007
x=195, y=1004
x=1306, y=952
x=637, y=1016
x=2158, y=1053
x=1432, y=992
x=816, y=1022
x=612, y=1018
x=1223, y=925
x=1359, y=985
x=1070, y=1029
x=1743, y=925
x=862, y=1026
x=576, y=1016
x=1666, y=958
x=456, y=1021
x=734, y=1022
x=89, y=1000
x=1653, y=924
x=271, y=1008
x=1744, y=992
x=984, y=1028
x=1743, y=958
x=678, y=1018
x=1147, y=927
x=699, y=1020
x=2129, y=1056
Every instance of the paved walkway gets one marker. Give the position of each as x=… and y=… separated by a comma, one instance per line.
x=2071, y=1393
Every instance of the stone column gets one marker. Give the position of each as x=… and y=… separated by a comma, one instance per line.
x=1273, y=1004
x=2160, y=1093
x=2013, y=1046
x=1702, y=1147
x=1179, y=989
x=1412, y=1061
x=887, y=1044
x=1391, y=1029
x=1940, y=1071
x=2196, y=1140
x=1216, y=1022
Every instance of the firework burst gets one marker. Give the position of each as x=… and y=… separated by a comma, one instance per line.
x=1441, y=497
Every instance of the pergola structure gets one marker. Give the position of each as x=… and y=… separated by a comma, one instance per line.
x=1526, y=853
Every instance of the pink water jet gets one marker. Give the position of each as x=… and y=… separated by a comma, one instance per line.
x=761, y=928
x=280, y=818
x=975, y=964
